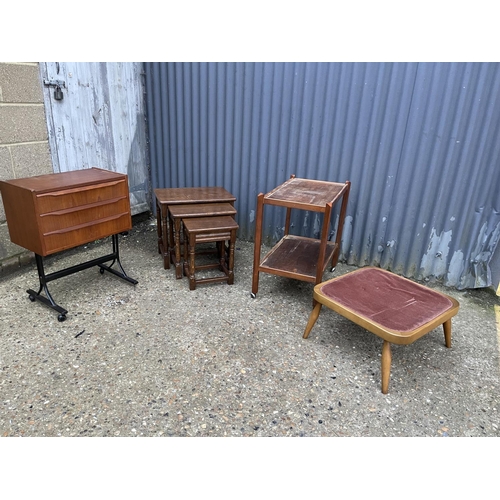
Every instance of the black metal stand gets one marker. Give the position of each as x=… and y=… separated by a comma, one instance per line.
x=44, y=279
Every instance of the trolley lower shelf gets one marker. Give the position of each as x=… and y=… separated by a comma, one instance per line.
x=296, y=257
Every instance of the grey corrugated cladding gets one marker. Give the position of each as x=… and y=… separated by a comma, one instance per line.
x=419, y=142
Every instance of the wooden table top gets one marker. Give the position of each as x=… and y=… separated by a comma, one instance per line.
x=201, y=209
x=382, y=298
x=65, y=180
x=305, y=193
x=172, y=196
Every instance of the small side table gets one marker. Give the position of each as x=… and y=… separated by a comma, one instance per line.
x=193, y=210
x=182, y=196
x=299, y=257
x=204, y=230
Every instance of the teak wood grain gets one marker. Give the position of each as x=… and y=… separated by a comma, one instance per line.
x=54, y=212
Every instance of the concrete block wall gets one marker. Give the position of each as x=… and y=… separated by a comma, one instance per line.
x=24, y=142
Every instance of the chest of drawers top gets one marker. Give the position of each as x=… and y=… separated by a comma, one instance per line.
x=54, y=212
x=56, y=182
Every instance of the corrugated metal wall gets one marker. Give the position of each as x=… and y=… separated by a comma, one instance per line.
x=419, y=142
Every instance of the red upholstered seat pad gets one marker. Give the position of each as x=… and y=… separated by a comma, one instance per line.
x=387, y=299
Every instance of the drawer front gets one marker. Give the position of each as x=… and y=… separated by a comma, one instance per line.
x=77, y=216
x=63, y=239
x=71, y=198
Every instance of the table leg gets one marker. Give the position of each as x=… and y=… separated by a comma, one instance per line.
x=232, y=242
x=257, y=244
x=158, y=226
x=386, y=366
x=312, y=319
x=190, y=242
x=340, y=226
x=447, y=332
x=287, y=221
x=177, y=246
x=322, y=246
x=165, y=237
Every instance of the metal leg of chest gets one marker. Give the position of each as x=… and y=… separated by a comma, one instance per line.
x=47, y=300
x=44, y=279
x=115, y=256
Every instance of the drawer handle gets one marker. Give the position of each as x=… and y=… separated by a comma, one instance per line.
x=84, y=207
x=87, y=224
x=92, y=187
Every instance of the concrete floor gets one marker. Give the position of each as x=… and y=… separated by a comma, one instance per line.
x=157, y=359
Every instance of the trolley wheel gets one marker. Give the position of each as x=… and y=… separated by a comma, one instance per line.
x=61, y=318
x=32, y=298
x=101, y=270
x=253, y=295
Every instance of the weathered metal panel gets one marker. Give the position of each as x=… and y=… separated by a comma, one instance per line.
x=100, y=122
x=445, y=220
x=418, y=141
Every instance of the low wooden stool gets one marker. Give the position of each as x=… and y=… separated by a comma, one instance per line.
x=396, y=309
x=210, y=229
x=179, y=212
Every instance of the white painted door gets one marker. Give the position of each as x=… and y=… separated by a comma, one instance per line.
x=99, y=122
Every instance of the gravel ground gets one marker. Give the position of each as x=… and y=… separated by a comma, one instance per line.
x=157, y=359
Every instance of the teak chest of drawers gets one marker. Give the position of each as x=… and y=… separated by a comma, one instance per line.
x=50, y=213
x=54, y=212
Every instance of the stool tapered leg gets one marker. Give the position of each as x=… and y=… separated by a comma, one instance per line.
x=312, y=319
x=447, y=332
x=386, y=366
